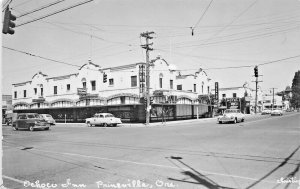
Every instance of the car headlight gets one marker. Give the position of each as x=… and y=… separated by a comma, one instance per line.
x=36, y=122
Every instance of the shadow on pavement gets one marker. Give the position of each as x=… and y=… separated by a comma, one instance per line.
x=196, y=176
x=276, y=168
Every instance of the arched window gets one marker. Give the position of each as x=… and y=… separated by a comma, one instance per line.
x=161, y=80
x=83, y=81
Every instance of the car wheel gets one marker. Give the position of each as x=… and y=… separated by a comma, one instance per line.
x=242, y=120
x=220, y=122
x=31, y=128
x=105, y=124
x=234, y=121
x=47, y=128
x=15, y=128
x=115, y=125
x=88, y=124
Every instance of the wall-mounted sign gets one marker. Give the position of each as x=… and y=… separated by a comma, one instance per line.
x=216, y=91
x=38, y=100
x=142, y=78
x=81, y=91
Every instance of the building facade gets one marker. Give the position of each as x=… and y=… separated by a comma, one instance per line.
x=111, y=86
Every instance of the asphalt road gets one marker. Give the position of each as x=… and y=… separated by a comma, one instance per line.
x=262, y=152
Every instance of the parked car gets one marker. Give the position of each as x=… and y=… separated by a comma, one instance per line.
x=266, y=111
x=48, y=118
x=30, y=121
x=105, y=119
x=276, y=112
x=231, y=115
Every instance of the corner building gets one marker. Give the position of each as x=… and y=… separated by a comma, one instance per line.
x=119, y=90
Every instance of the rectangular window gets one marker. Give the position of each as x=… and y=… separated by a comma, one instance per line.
x=207, y=89
x=55, y=89
x=68, y=87
x=93, y=83
x=195, y=88
x=234, y=95
x=16, y=94
x=84, y=84
x=35, y=91
x=24, y=93
x=223, y=95
x=133, y=81
x=111, y=81
x=160, y=82
x=171, y=84
x=42, y=91
x=179, y=87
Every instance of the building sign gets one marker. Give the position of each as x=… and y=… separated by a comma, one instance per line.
x=217, y=91
x=233, y=103
x=82, y=91
x=142, y=78
x=88, y=96
x=39, y=100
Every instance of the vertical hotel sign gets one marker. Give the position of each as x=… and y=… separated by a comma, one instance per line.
x=142, y=78
x=217, y=92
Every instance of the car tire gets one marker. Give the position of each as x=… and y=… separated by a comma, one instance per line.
x=47, y=128
x=105, y=125
x=15, y=128
x=31, y=128
x=234, y=121
x=242, y=120
x=115, y=125
x=88, y=124
x=220, y=122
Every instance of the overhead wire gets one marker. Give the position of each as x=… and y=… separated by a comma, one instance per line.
x=40, y=8
x=56, y=12
x=199, y=20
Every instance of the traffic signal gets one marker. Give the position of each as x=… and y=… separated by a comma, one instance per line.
x=8, y=23
x=104, y=77
x=145, y=102
x=256, y=71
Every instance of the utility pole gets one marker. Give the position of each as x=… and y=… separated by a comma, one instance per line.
x=273, y=98
x=256, y=86
x=147, y=36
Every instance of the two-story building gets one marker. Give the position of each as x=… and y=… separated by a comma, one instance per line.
x=94, y=86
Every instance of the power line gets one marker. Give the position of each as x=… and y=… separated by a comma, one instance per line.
x=41, y=8
x=21, y=4
x=202, y=15
x=56, y=12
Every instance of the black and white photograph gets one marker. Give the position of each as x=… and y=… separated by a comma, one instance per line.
x=150, y=94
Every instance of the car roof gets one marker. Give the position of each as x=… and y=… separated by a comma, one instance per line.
x=26, y=113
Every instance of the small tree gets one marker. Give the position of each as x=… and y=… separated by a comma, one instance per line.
x=295, y=101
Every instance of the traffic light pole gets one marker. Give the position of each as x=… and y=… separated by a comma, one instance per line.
x=256, y=86
x=147, y=36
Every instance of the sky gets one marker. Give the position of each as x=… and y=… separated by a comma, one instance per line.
x=226, y=33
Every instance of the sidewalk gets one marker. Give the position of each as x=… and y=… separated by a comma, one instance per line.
x=152, y=124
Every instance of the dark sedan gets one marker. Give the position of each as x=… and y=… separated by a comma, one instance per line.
x=30, y=121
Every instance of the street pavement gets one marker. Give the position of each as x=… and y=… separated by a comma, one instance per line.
x=262, y=152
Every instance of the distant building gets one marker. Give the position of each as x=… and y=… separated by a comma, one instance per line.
x=6, y=104
x=241, y=97
x=121, y=85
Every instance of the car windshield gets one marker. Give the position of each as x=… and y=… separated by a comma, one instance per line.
x=231, y=111
x=109, y=115
x=33, y=116
x=48, y=116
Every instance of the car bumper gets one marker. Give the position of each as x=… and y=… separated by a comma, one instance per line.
x=41, y=126
x=226, y=119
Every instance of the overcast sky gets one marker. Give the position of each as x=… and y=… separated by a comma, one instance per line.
x=227, y=33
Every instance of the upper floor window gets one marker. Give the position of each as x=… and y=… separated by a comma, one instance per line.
x=93, y=83
x=223, y=95
x=207, y=89
x=84, y=84
x=160, y=82
x=171, y=84
x=133, y=81
x=68, y=87
x=234, y=95
x=35, y=91
x=179, y=87
x=15, y=94
x=55, y=89
x=111, y=81
x=195, y=88
x=24, y=93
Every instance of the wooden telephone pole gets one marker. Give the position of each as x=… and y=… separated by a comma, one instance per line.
x=147, y=36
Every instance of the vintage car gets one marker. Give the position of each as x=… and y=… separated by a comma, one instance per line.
x=104, y=119
x=30, y=121
x=231, y=115
x=266, y=111
x=276, y=112
x=48, y=118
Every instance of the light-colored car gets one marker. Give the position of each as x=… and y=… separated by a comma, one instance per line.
x=266, y=111
x=105, y=119
x=231, y=115
x=276, y=112
x=48, y=118
x=30, y=121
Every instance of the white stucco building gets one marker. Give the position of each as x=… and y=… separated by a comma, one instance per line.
x=93, y=85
